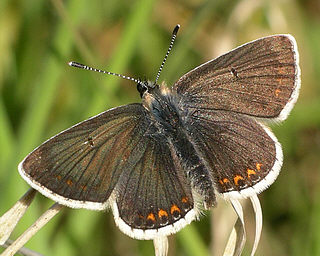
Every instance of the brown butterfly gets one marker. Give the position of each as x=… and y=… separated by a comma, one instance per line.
x=157, y=163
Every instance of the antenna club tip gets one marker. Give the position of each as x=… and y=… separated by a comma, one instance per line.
x=175, y=30
x=77, y=65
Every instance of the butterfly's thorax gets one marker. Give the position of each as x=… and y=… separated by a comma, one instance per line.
x=163, y=106
x=170, y=117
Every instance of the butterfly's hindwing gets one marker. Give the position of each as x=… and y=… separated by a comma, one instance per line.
x=154, y=197
x=243, y=155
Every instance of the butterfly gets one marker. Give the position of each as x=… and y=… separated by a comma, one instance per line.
x=158, y=163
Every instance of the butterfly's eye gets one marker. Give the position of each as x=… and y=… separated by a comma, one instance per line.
x=141, y=87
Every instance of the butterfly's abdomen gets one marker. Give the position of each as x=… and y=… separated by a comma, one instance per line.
x=195, y=168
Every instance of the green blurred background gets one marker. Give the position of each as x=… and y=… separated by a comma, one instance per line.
x=40, y=95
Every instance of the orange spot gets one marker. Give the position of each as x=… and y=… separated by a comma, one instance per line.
x=162, y=213
x=69, y=182
x=250, y=172
x=83, y=187
x=280, y=81
x=151, y=217
x=184, y=200
x=225, y=180
x=174, y=208
x=221, y=182
x=258, y=165
x=59, y=177
x=237, y=178
x=276, y=92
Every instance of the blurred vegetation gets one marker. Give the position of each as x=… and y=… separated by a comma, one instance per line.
x=40, y=95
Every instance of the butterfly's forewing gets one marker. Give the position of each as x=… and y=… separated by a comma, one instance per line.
x=244, y=156
x=80, y=166
x=260, y=79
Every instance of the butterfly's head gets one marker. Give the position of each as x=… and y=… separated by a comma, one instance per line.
x=146, y=86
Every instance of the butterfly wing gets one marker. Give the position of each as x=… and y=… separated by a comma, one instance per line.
x=119, y=159
x=80, y=166
x=260, y=79
x=243, y=156
x=154, y=197
x=222, y=98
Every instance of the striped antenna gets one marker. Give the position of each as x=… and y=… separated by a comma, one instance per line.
x=174, y=35
x=82, y=66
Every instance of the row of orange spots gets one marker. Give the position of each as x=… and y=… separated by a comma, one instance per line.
x=69, y=182
x=238, y=177
x=163, y=214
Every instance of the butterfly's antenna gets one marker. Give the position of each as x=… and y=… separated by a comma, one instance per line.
x=174, y=35
x=82, y=66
